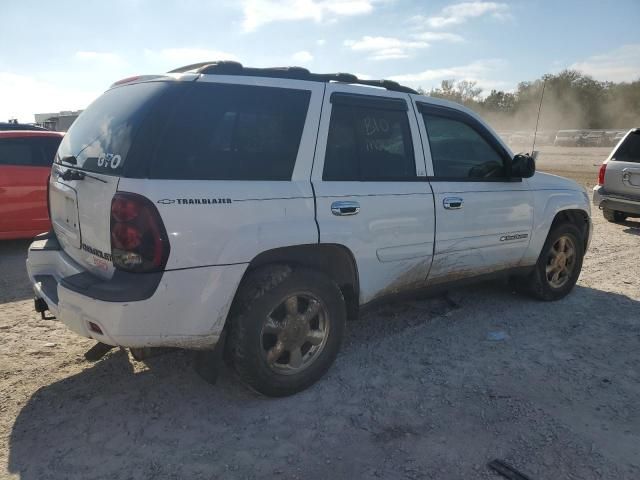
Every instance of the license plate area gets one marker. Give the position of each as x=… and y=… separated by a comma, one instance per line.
x=64, y=214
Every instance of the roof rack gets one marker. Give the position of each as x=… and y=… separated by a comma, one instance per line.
x=227, y=67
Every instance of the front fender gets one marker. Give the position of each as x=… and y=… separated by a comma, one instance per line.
x=547, y=205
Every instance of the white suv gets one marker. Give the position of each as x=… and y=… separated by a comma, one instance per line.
x=618, y=191
x=268, y=205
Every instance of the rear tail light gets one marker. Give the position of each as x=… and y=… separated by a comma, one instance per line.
x=139, y=241
x=601, y=172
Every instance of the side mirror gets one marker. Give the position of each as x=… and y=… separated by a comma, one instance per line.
x=523, y=166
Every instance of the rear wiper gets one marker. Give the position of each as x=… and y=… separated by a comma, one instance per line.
x=78, y=175
x=70, y=159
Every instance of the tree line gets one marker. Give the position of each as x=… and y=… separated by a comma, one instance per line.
x=572, y=100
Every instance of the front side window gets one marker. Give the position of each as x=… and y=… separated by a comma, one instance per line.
x=368, y=144
x=232, y=132
x=459, y=151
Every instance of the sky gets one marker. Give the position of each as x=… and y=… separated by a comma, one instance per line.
x=61, y=55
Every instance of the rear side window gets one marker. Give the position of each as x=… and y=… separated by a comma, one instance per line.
x=368, y=144
x=629, y=151
x=232, y=132
x=28, y=151
x=459, y=151
x=102, y=135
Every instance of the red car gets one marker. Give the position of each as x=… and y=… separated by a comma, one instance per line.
x=25, y=165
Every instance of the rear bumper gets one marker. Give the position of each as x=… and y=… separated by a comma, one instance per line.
x=187, y=308
x=603, y=199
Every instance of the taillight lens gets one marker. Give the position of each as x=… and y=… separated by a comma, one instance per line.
x=139, y=241
x=601, y=172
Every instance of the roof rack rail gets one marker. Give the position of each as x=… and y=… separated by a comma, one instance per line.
x=228, y=67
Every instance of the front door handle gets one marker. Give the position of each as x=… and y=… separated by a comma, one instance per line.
x=453, y=203
x=343, y=209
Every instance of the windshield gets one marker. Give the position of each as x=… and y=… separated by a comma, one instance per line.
x=100, y=139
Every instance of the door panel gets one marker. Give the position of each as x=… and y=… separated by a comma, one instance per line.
x=489, y=233
x=391, y=237
x=23, y=200
x=483, y=218
x=391, y=234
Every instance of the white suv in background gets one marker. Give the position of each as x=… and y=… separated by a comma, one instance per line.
x=618, y=191
x=268, y=205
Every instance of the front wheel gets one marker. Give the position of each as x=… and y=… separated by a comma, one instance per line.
x=286, y=329
x=559, y=264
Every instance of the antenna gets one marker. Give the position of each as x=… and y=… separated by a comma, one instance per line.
x=533, y=147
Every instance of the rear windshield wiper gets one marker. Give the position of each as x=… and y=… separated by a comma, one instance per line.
x=70, y=159
x=78, y=175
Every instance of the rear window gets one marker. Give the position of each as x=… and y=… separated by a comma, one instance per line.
x=101, y=137
x=232, y=132
x=629, y=151
x=28, y=151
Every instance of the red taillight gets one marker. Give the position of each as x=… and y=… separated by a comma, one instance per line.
x=123, y=209
x=603, y=169
x=139, y=241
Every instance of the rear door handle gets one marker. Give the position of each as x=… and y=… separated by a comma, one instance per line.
x=343, y=209
x=453, y=203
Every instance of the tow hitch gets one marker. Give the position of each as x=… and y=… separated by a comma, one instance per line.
x=41, y=307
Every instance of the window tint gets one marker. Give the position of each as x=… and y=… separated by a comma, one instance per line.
x=28, y=151
x=102, y=135
x=629, y=151
x=459, y=151
x=232, y=132
x=368, y=144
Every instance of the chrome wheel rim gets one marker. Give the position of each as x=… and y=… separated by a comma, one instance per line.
x=294, y=333
x=561, y=262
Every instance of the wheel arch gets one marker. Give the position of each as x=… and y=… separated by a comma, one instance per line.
x=578, y=217
x=334, y=260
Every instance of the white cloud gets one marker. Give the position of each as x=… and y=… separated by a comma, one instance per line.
x=385, y=48
x=302, y=57
x=619, y=65
x=261, y=12
x=439, y=37
x=321, y=42
x=21, y=96
x=480, y=71
x=461, y=12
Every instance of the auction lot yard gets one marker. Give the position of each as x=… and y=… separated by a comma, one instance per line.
x=431, y=388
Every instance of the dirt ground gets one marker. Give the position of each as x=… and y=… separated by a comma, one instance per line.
x=431, y=388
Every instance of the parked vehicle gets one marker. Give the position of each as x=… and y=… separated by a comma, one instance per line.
x=618, y=191
x=592, y=138
x=25, y=165
x=617, y=138
x=20, y=126
x=567, y=138
x=521, y=138
x=268, y=205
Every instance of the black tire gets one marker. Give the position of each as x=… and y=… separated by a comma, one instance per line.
x=537, y=283
x=260, y=294
x=613, y=216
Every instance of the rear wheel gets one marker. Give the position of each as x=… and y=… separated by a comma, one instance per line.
x=559, y=264
x=614, y=216
x=286, y=329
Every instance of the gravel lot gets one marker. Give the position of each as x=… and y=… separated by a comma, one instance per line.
x=419, y=390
